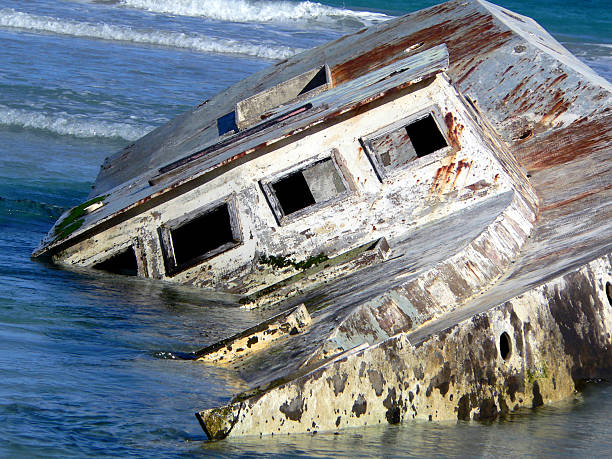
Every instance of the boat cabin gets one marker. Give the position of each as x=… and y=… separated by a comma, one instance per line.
x=303, y=181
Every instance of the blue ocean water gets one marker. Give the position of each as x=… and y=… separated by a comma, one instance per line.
x=86, y=365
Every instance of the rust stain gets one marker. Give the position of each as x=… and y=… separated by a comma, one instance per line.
x=480, y=185
x=469, y=265
x=557, y=80
x=446, y=175
x=514, y=93
x=573, y=199
x=454, y=130
x=543, y=100
x=442, y=177
x=474, y=34
x=581, y=138
x=461, y=164
x=560, y=106
x=468, y=73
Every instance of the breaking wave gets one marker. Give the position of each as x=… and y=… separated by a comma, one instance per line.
x=251, y=11
x=65, y=124
x=15, y=19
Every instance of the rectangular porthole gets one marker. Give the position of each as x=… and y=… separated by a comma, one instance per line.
x=396, y=146
x=298, y=191
x=292, y=193
x=199, y=236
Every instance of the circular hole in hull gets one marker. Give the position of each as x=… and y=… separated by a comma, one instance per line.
x=505, y=346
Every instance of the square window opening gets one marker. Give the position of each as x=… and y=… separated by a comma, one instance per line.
x=402, y=143
x=203, y=236
x=425, y=136
x=293, y=193
x=314, y=184
x=121, y=263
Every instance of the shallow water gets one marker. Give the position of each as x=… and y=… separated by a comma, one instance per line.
x=86, y=359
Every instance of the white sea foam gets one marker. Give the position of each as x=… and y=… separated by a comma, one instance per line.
x=250, y=11
x=65, y=124
x=16, y=19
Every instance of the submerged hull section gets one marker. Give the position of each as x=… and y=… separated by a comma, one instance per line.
x=423, y=207
x=525, y=352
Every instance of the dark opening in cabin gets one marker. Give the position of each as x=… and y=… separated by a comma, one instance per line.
x=313, y=184
x=399, y=144
x=505, y=346
x=202, y=235
x=253, y=109
x=121, y=263
x=293, y=193
x=425, y=136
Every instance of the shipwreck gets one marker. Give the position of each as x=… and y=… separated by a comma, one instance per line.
x=424, y=208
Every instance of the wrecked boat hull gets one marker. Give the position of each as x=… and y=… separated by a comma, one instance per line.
x=533, y=349
x=462, y=281
x=541, y=329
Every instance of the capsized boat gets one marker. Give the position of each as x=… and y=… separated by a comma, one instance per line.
x=423, y=207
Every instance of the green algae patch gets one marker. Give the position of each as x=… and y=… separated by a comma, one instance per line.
x=65, y=231
x=74, y=220
x=284, y=262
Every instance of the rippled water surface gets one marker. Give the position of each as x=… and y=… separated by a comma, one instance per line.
x=86, y=365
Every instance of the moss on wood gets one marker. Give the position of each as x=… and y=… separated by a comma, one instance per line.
x=74, y=220
x=284, y=262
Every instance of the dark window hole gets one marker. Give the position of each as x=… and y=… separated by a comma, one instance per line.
x=425, y=136
x=314, y=184
x=525, y=135
x=121, y=263
x=201, y=235
x=293, y=193
x=505, y=346
x=609, y=292
x=399, y=146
